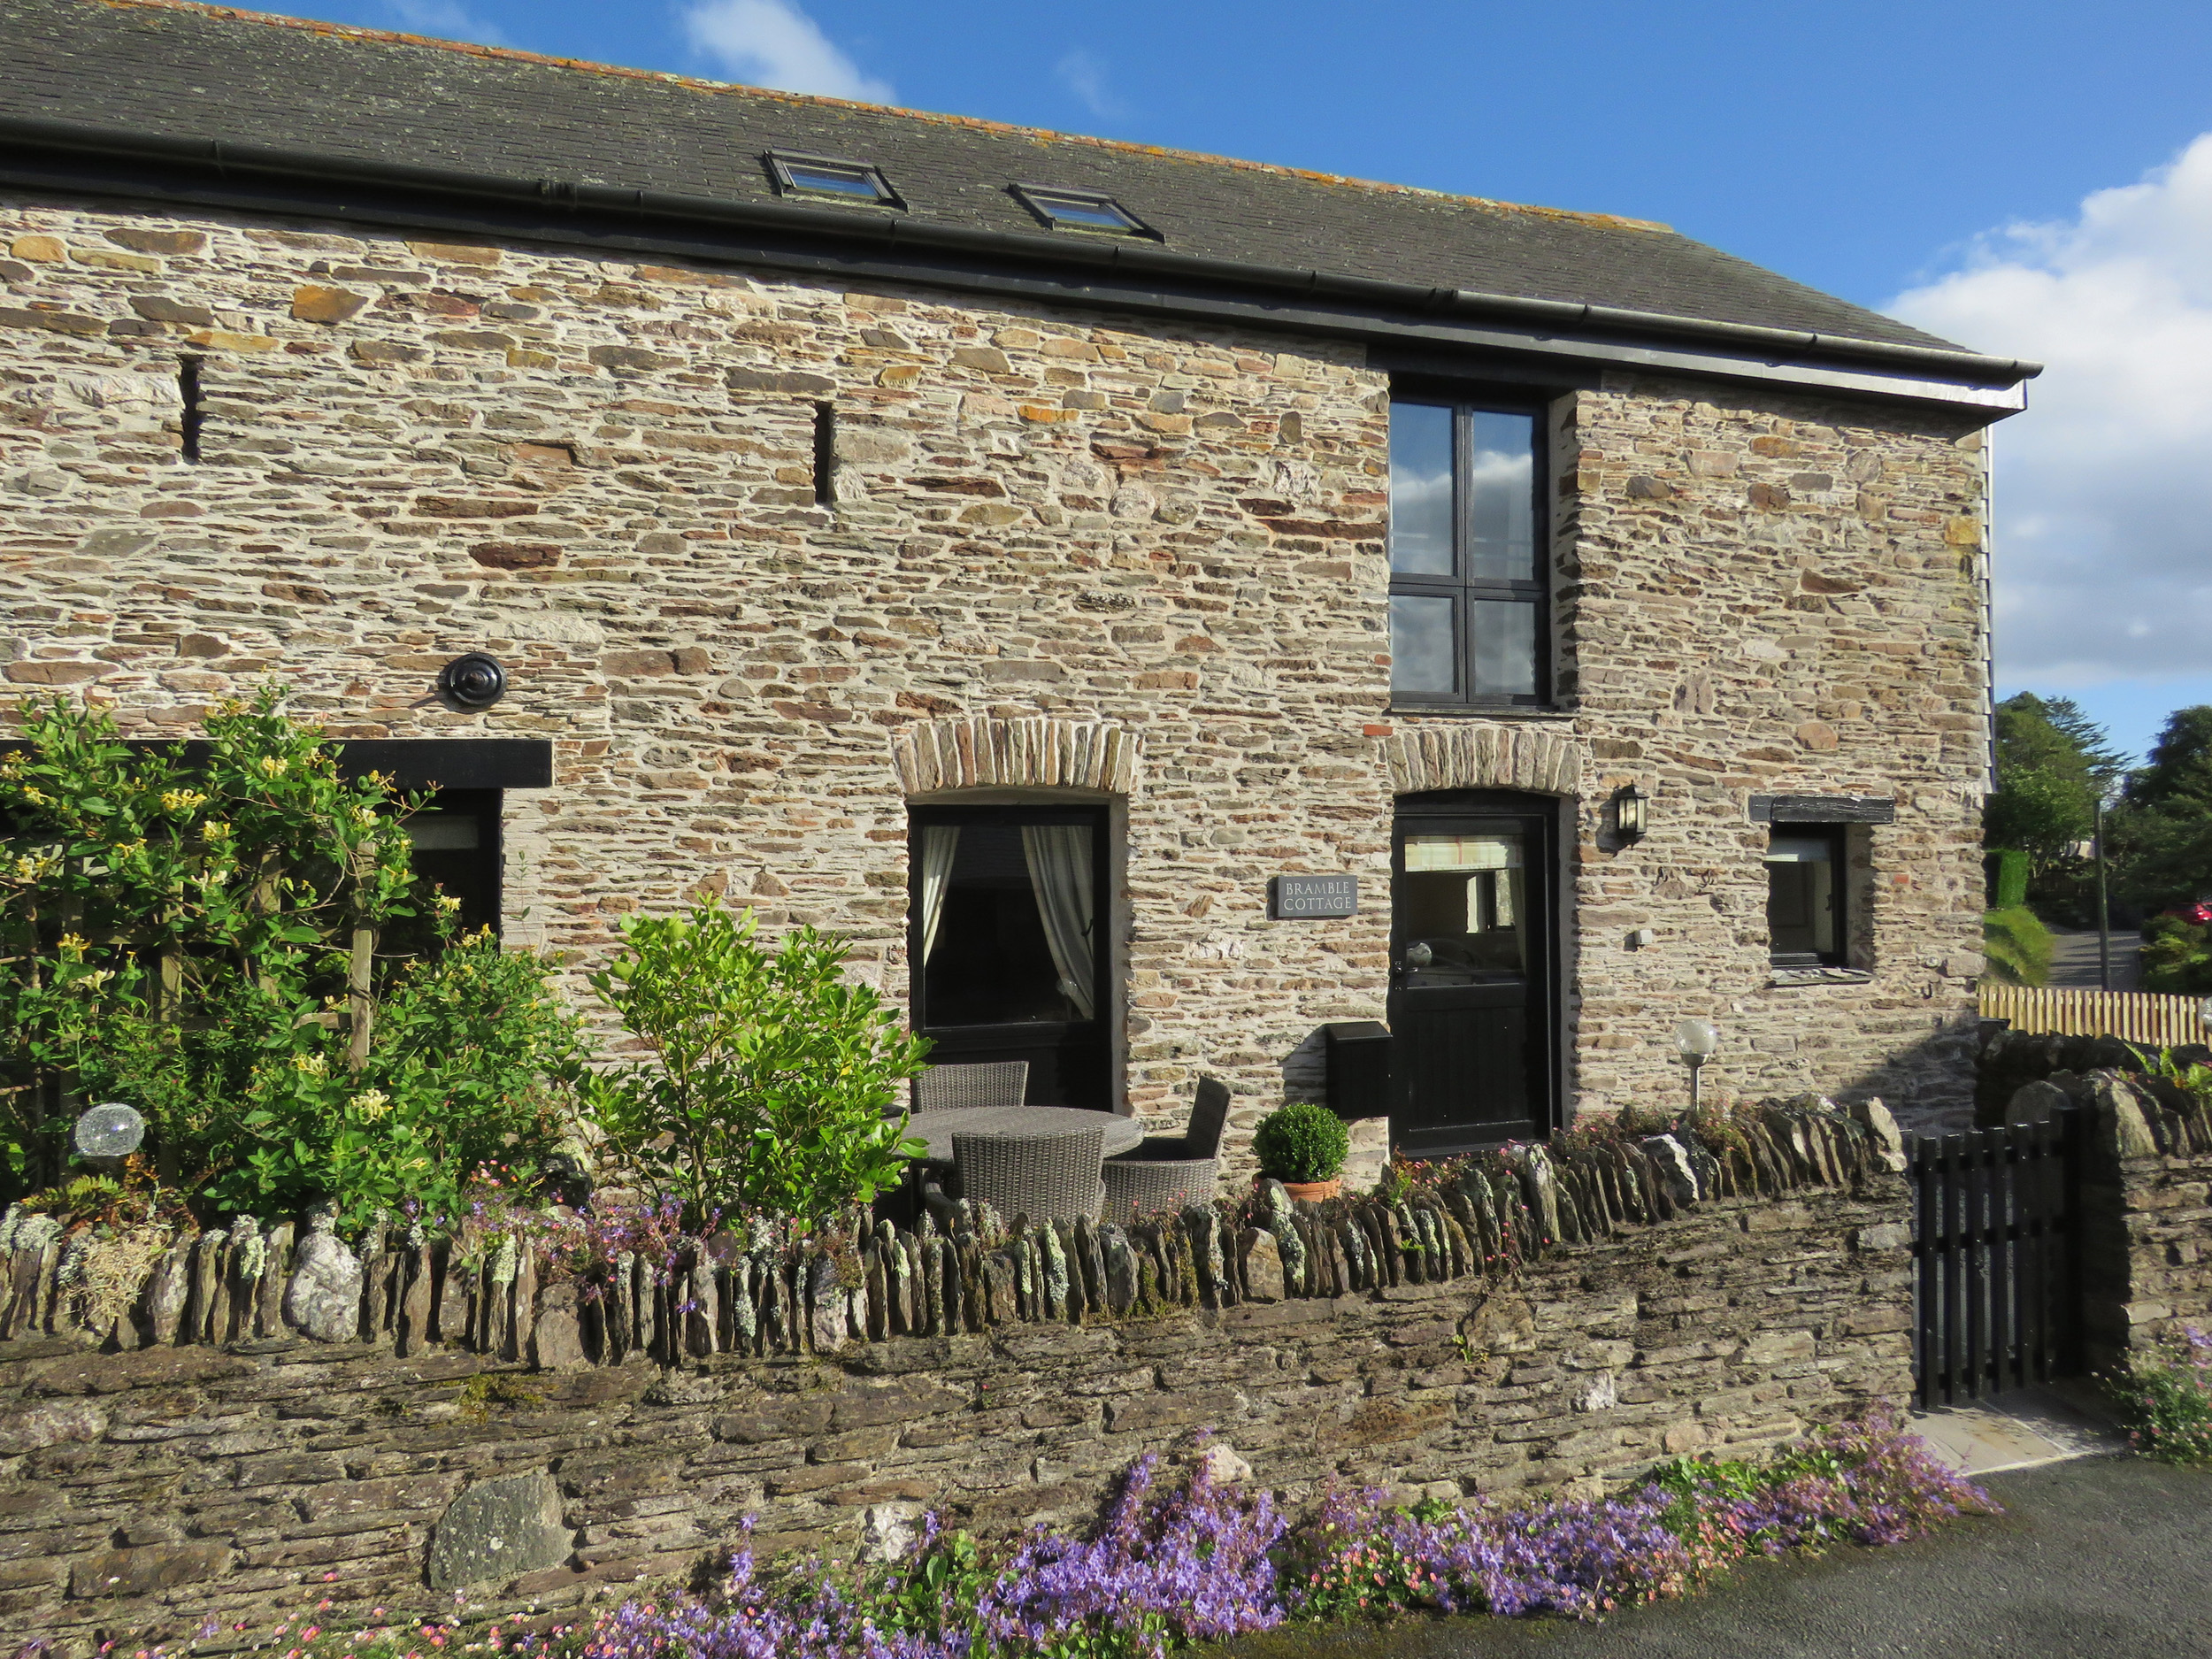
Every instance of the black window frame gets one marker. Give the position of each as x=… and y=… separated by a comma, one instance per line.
x=1040, y=199
x=1461, y=588
x=781, y=161
x=1839, y=839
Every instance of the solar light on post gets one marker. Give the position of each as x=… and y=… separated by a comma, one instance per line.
x=1696, y=1039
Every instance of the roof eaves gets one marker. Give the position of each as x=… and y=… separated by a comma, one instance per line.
x=45, y=135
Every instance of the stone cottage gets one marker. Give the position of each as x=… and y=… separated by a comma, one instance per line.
x=1162, y=607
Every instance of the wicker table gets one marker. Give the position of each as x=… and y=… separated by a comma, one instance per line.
x=1123, y=1134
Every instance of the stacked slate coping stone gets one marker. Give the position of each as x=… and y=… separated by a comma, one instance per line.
x=752, y=1292
x=212, y=1432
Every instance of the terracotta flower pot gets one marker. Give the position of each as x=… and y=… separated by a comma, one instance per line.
x=1313, y=1191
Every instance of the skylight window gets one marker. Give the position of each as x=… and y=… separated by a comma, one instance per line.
x=1080, y=210
x=827, y=179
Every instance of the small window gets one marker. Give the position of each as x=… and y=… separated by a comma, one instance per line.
x=1079, y=209
x=827, y=179
x=1806, y=884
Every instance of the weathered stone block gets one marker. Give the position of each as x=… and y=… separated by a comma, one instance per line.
x=497, y=1530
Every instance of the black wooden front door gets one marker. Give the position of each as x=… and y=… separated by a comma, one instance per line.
x=1471, y=905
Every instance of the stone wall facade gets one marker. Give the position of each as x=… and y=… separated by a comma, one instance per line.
x=601, y=470
x=142, y=1491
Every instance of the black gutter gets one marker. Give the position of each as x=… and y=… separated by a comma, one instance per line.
x=554, y=201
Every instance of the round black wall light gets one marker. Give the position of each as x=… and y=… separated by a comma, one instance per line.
x=474, y=681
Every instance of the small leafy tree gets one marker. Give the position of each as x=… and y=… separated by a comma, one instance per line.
x=772, y=1077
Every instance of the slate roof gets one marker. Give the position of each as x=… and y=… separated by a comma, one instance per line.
x=187, y=70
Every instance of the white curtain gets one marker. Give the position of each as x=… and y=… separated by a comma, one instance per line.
x=1059, y=860
x=940, y=842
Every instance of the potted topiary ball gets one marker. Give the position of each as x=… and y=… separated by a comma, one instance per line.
x=1303, y=1146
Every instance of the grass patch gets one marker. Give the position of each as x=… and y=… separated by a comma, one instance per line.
x=2018, y=946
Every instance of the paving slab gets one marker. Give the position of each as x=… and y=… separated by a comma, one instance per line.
x=2021, y=1429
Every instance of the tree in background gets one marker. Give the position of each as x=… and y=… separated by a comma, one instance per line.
x=2162, y=832
x=2052, y=762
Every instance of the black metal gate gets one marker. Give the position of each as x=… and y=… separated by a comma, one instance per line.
x=1996, y=1248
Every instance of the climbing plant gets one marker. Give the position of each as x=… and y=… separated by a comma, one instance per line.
x=200, y=936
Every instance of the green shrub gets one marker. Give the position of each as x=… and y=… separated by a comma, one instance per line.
x=2017, y=947
x=2005, y=872
x=1301, y=1141
x=771, y=1076
x=210, y=943
x=2165, y=1399
x=2176, y=956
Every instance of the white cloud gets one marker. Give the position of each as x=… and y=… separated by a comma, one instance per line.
x=1084, y=73
x=772, y=43
x=2104, y=542
x=446, y=20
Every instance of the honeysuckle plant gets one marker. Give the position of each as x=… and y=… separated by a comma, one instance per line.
x=211, y=938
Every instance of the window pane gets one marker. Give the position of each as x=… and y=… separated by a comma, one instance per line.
x=1500, y=483
x=1459, y=907
x=1420, y=489
x=1504, y=647
x=1007, y=915
x=1423, y=657
x=854, y=181
x=1802, y=909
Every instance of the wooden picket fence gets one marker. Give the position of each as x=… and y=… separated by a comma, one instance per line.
x=2139, y=1016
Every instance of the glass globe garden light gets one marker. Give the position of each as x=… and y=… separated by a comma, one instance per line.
x=1696, y=1039
x=110, y=1130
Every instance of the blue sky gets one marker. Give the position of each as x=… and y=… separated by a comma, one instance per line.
x=2017, y=176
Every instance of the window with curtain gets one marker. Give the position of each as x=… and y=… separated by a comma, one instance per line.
x=1469, y=621
x=1006, y=918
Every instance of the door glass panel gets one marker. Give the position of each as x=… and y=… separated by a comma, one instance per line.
x=1008, y=924
x=1423, y=657
x=1500, y=478
x=1420, y=489
x=1462, y=905
x=1504, y=647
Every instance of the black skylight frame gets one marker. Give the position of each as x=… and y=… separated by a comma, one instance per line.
x=788, y=168
x=1044, y=199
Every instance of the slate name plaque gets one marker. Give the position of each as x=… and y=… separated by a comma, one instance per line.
x=1299, y=898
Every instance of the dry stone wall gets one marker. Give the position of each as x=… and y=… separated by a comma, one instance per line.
x=142, y=1492
x=601, y=470
x=2146, y=1214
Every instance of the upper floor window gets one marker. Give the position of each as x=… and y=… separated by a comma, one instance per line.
x=1468, y=622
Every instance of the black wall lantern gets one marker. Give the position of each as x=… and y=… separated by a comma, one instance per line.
x=474, y=681
x=1629, y=803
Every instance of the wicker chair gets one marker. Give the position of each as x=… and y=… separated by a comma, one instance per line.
x=1139, y=1186
x=1169, y=1171
x=946, y=1088
x=1054, y=1176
